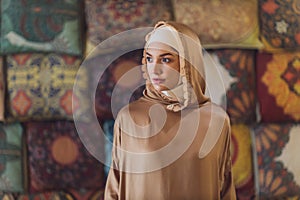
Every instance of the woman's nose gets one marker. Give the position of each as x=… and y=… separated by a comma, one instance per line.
x=157, y=69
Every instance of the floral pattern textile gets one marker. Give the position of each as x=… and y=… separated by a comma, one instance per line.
x=12, y=176
x=211, y=19
x=58, y=160
x=278, y=171
x=107, y=18
x=121, y=82
x=278, y=80
x=40, y=87
x=280, y=24
x=41, y=26
x=236, y=69
x=242, y=160
x=2, y=91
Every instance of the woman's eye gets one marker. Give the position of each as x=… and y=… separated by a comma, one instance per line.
x=166, y=60
x=149, y=59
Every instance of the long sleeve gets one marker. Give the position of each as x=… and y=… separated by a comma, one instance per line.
x=112, y=183
x=228, y=189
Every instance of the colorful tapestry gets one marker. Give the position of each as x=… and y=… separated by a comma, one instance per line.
x=242, y=165
x=58, y=159
x=41, y=26
x=2, y=90
x=108, y=129
x=277, y=164
x=82, y=194
x=121, y=82
x=278, y=86
x=46, y=196
x=280, y=24
x=12, y=176
x=230, y=77
x=40, y=87
x=212, y=19
x=108, y=18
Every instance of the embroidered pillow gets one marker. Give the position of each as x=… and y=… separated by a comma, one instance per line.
x=41, y=26
x=108, y=18
x=121, y=82
x=227, y=23
x=58, y=159
x=278, y=88
x=12, y=178
x=280, y=25
x=277, y=164
x=242, y=163
x=82, y=194
x=230, y=79
x=49, y=195
x=40, y=87
x=2, y=91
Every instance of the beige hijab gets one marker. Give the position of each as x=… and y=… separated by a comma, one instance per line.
x=192, y=73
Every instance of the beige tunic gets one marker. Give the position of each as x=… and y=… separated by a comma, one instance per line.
x=190, y=155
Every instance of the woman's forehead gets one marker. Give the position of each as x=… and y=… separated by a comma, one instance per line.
x=158, y=47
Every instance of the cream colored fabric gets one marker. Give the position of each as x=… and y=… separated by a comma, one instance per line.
x=165, y=150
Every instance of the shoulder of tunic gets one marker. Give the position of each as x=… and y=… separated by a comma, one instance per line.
x=219, y=124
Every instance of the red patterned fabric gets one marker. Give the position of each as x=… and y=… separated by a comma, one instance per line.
x=277, y=165
x=97, y=194
x=108, y=18
x=280, y=24
x=121, y=82
x=278, y=86
x=58, y=160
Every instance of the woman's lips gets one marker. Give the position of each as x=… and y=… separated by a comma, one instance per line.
x=158, y=81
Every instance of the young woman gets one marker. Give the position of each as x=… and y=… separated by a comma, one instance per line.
x=172, y=143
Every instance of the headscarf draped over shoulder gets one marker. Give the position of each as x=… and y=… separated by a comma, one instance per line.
x=187, y=43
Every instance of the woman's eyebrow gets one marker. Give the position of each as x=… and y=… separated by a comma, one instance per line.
x=161, y=55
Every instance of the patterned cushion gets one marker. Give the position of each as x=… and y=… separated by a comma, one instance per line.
x=242, y=160
x=237, y=91
x=12, y=176
x=280, y=25
x=108, y=129
x=2, y=90
x=41, y=26
x=277, y=165
x=118, y=84
x=278, y=86
x=107, y=18
x=41, y=86
x=82, y=194
x=212, y=19
x=58, y=160
x=46, y=196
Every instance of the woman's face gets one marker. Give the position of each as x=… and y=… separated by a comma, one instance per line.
x=163, y=66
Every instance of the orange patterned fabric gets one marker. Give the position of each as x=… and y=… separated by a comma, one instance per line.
x=278, y=77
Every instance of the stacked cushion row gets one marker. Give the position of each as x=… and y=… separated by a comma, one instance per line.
x=254, y=45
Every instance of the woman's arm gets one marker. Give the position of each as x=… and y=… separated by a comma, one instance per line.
x=112, y=183
x=228, y=189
